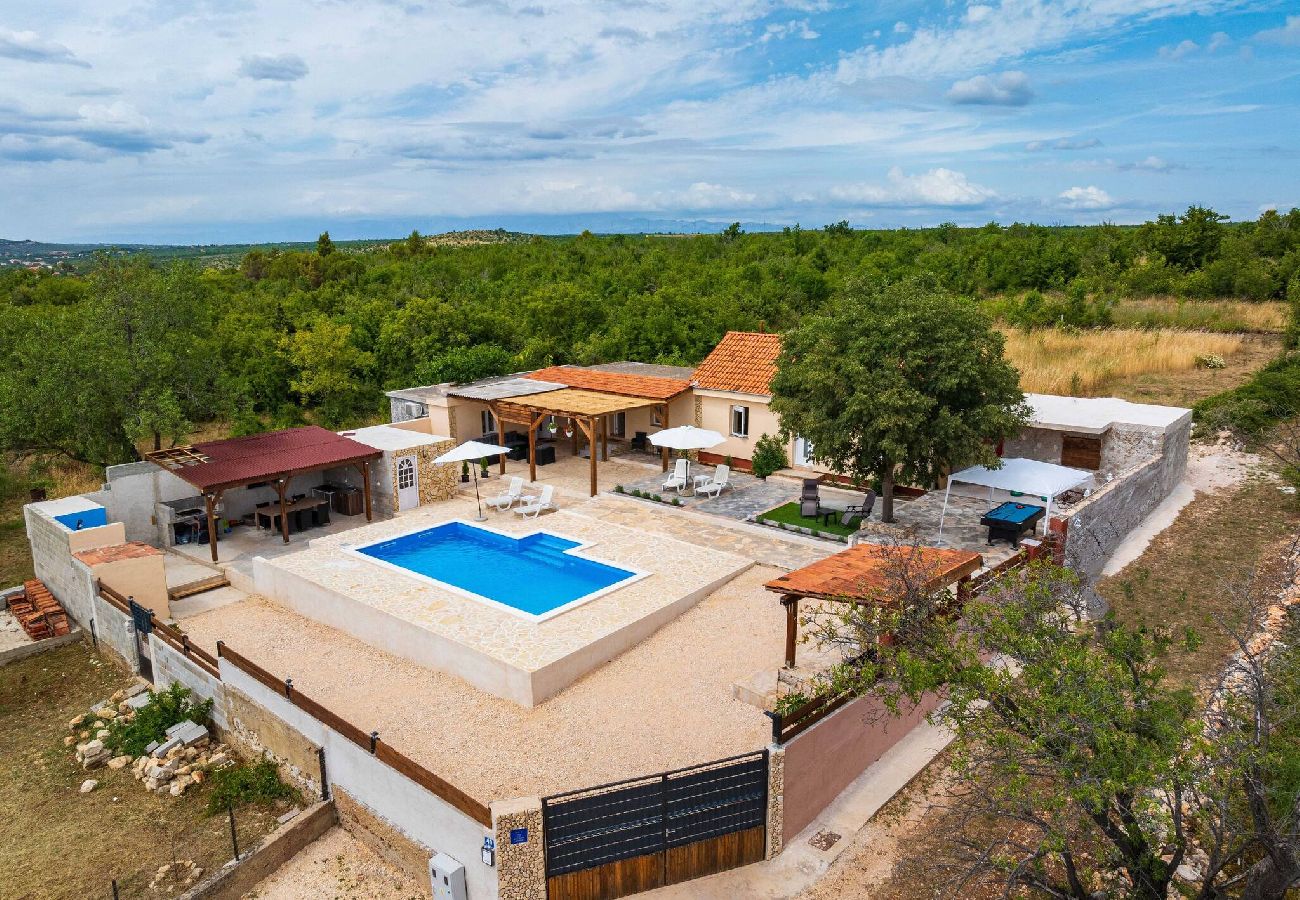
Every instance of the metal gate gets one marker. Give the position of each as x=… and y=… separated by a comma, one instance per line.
x=142, y=619
x=643, y=833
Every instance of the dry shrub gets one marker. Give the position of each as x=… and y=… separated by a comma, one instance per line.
x=1085, y=363
x=1202, y=315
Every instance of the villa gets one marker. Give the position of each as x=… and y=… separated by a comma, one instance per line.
x=584, y=702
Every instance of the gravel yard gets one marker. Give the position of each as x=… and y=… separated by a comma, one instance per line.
x=337, y=867
x=664, y=704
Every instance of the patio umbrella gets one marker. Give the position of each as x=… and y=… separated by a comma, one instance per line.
x=686, y=437
x=473, y=450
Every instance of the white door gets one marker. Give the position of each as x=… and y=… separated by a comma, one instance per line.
x=408, y=483
x=803, y=452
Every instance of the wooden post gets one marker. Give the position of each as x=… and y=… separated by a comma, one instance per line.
x=532, y=446
x=210, y=501
x=501, y=437
x=365, y=477
x=281, y=485
x=573, y=423
x=791, y=604
x=588, y=427
x=664, y=451
x=604, y=438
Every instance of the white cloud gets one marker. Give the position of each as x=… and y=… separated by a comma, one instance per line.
x=1288, y=35
x=937, y=187
x=901, y=28
x=1003, y=89
x=1218, y=41
x=1179, y=50
x=28, y=46
x=1062, y=144
x=799, y=28
x=1090, y=197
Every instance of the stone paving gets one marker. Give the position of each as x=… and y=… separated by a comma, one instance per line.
x=766, y=546
x=745, y=496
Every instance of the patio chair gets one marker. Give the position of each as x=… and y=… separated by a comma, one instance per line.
x=677, y=481
x=535, y=508
x=507, y=498
x=715, y=484
x=810, y=499
x=862, y=511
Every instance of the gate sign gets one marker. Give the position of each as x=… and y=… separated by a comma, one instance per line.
x=518, y=835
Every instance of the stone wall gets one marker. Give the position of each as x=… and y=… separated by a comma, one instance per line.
x=521, y=867
x=775, y=801
x=1100, y=524
x=1042, y=444
x=254, y=732
x=387, y=842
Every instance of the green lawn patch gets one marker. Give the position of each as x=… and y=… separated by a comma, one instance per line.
x=788, y=514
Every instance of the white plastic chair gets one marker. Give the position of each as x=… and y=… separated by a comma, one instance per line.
x=537, y=507
x=510, y=496
x=677, y=481
x=715, y=484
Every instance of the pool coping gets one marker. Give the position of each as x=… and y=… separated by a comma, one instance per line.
x=634, y=576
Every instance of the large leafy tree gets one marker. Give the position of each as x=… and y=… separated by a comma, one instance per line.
x=129, y=364
x=1080, y=771
x=898, y=381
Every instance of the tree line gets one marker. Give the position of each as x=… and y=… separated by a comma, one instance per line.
x=134, y=351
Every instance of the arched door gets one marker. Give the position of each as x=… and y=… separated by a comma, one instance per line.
x=408, y=483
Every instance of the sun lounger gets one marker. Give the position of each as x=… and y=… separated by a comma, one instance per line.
x=677, y=481
x=535, y=508
x=715, y=484
x=510, y=496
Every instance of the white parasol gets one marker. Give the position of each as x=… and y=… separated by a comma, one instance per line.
x=475, y=451
x=686, y=437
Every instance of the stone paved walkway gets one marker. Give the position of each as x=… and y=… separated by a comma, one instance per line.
x=746, y=496
x=763, y=545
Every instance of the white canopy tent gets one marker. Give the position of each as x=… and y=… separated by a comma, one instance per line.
x=1028, y=476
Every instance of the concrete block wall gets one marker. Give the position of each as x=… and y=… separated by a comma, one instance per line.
x=170, y=665
x=410, y=809
x=52, y=547
x=131, y=493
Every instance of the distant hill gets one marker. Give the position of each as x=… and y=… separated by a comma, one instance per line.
x=477, y=236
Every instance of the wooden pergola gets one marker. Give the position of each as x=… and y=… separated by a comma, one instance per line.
x=864, y=576
x=272, y=458
x=590, y=410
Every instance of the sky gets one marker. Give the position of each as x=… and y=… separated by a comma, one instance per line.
x=211, y=121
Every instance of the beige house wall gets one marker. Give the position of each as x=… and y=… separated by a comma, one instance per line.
x=714, y=413
x=142, y=578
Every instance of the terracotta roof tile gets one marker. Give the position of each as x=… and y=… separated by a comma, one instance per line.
x=97, y=556
x=743, y=362
x=861, y=572
x=649, y=387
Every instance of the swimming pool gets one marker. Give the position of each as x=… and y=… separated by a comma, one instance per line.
x=536, y=575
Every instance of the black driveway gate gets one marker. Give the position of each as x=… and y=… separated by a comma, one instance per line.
x=634, y=835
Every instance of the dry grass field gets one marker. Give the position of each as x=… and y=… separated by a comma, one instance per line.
x=1086, y=363
x=1202, y=315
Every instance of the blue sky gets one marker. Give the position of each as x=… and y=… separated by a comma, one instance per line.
x=230, y=120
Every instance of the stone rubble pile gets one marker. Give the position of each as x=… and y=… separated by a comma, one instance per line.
x=182, y=872
x=181, y=760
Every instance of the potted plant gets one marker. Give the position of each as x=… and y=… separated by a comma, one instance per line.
x=552, y=427
x=483, y=467
x=464, y=471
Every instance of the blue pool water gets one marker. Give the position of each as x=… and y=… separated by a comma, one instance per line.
x=86, y=518
x=532, y=574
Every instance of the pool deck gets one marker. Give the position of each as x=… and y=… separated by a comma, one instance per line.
x=494, y=649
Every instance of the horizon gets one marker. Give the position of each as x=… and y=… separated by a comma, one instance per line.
x=202, y=123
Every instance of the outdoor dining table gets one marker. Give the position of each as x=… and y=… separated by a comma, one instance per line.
x=294, y=509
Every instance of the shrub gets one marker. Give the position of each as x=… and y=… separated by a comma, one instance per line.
x=677, y=501
x=769, y=456
x=1210, y=361
x=618, y=488
x=164, y=709
x=658, y=499
x=788, y=703
x=257, y=783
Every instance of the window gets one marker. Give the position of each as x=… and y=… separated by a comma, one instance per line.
x=656, y=418
x=618, y=424
x=740, y=421
x=405, y=473
x=489, y=423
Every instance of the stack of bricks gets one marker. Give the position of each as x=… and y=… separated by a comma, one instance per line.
x=40, y=614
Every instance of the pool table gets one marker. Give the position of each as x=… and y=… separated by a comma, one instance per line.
x=1011, y=521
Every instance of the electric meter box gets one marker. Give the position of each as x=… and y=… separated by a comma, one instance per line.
x=448, y=878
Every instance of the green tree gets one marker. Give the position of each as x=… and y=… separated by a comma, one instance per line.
x=897, y=382
x=324, y=246
x=1083, y=772
x=330, y=369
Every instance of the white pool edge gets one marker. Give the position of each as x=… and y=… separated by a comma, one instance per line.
x=635, y=576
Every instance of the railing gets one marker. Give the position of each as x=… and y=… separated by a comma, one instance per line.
x=370, y=742
x=173, y=637
x=787, y=726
